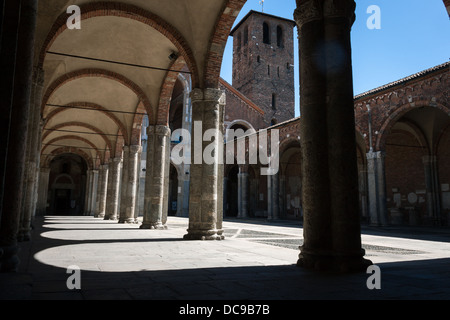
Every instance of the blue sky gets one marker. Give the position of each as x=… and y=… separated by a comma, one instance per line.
x=414, y=36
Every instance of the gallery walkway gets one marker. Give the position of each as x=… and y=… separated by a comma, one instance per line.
x=256, y=261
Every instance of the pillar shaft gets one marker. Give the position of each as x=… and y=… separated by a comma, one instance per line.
x=102, y=191
x=93, y=192
x=432, y=186
x=32, y=156
x=123, y=191
x=206, y=185
x=332, y=235
x=17, y=44
x=376, y=188
x=273, y=199
x=87, y=196
x=129, y=184
x=43, y=191
x=112, y=205
x=156, y=181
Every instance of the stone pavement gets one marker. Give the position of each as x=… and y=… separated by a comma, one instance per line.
x=256, y=262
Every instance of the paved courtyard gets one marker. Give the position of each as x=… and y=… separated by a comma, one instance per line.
x=256, y=262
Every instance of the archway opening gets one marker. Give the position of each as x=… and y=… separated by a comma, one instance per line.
x=67, y=185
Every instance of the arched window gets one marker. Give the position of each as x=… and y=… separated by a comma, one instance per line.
x=266, y=33
x=279, y=37
x=273, y=122
x=274, y=101
x=258, y=59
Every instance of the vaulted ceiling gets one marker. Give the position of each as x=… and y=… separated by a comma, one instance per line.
x=102, y=79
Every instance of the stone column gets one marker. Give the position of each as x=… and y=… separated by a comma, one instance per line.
x=138, y=187
x=102, y=191
x=43, y=191
x=282, y=195
x=376, y=188
x=156, y=180
x=433, y=205
x=273, y=199
x=332, y=235
x=17, y=47
x=206, y=185
x=123, y=191
x=93, y=198
x=112, y=206
x=130, y=188
x=87, y=196
x=32, y=156
x=243, y=193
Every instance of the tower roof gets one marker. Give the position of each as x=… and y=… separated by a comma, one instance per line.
x=253, y=12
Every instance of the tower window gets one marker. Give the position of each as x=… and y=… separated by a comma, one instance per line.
x=258, y=59
x=268, y=70
x=279, y=37
x=273, y=122
x=266, y=33
x=246, y=35
x=239, y=40
x=278, y=70
x=274, y=101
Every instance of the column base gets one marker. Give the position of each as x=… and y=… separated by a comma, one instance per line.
x=112, y=218
x=127, y=221
x=153, y=226
x=9, y=261
x=24, y=235
x=204, y=235
x=332, y=263
x=99, y=216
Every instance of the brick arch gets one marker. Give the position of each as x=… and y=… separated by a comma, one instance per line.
x=89, y=160
x=72, y=137
x=441, y=134
x=89, y=105
x=390, y=121
x=129, y=11
x=165, y=96
x=218, y=41
x=83, y=125
x=97, y=73
x=288, y=143
x=136, y=130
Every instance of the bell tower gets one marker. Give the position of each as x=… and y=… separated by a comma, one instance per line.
x=263, y=64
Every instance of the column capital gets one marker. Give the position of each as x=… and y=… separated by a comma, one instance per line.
x=45, y=170
x=340, y=9
x=208, y=94
x=375, y=155
x=38, y=76
x=313, y=10
x=116, y=160
x=308, y=11
x=159, y=130
x=104, y=166
x=135, y=149
x=428, y=159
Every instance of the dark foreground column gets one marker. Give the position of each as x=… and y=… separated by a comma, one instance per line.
x=332, y=235
x=17, y=44
x=206, y=185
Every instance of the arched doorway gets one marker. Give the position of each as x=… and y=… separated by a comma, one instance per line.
x=291, y=182
x=232, y=201
x=413, y=163
x=67, y=185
